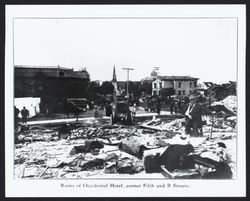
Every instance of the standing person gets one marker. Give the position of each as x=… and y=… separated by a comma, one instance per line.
x=193, y=117
x=133, y=109
x=68, y=108
x=179, y=106
x=182, y=107
x=158, y=105
x=76, y=113
x=16, y=111
x=172, y=106
x=25, y=114
x=175, y=106
x=95, y=111
x=108, y=109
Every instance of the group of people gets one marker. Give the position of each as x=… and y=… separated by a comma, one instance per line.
x=193, y=114
x=24, y=114
x=177, y=105
x=190, y=108
x=153, y=104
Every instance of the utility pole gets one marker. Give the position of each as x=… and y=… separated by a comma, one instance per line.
x=127, y=69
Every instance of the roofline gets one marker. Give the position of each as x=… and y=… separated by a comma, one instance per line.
x=126, y=81
x=176, y=79
x=42, y=67
x=173, y=77
x=180, y=79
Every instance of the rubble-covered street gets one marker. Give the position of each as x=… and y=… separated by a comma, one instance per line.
x=96, y=149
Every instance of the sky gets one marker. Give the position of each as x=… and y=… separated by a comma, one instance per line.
x=202, y=48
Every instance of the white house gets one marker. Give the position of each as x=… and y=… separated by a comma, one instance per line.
x=183, y=85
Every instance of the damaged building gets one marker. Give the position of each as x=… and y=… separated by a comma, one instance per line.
x=52, y=84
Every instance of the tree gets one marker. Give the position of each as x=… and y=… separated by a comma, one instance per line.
x=135, y=88
x=107, y=88
x=94, y=90
x=146, y=87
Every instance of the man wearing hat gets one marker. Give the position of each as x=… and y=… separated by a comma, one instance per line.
x=193, y=117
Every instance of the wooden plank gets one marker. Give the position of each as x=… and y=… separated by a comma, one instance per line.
x=166, y=173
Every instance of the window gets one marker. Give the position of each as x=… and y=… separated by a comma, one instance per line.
x=155, y=85
x=159, y=93
x=183, y=92
x=191, y=84
x=180, y=92
x=179, y=84
x=190, y=92
x=195, y=84
x=160, y=85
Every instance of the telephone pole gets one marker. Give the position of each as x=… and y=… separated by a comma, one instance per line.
x=127, y=69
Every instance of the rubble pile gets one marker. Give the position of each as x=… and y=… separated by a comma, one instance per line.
x=68, y=148
x=157, y=124
x=230, y=102
x=219, y=124
x=94, y=148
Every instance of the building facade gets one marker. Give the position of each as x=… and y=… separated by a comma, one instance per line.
x=52, y=84
x=177, y=85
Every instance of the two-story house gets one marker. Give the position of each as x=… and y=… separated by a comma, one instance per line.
x=180, y=85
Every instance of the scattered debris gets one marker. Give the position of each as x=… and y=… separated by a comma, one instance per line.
x=89, y=146
x=95, y=147
x=156, y=124
x=172, y=158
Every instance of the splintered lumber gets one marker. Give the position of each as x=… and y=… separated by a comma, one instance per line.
x=151, y=127
x=23, y=171
x=180, y=174
x=43, y=171
x=154, y=128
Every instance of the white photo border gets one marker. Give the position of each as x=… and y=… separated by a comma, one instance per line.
x=194, y=188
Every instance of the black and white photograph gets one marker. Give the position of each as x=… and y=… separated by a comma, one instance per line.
x=126, y=98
